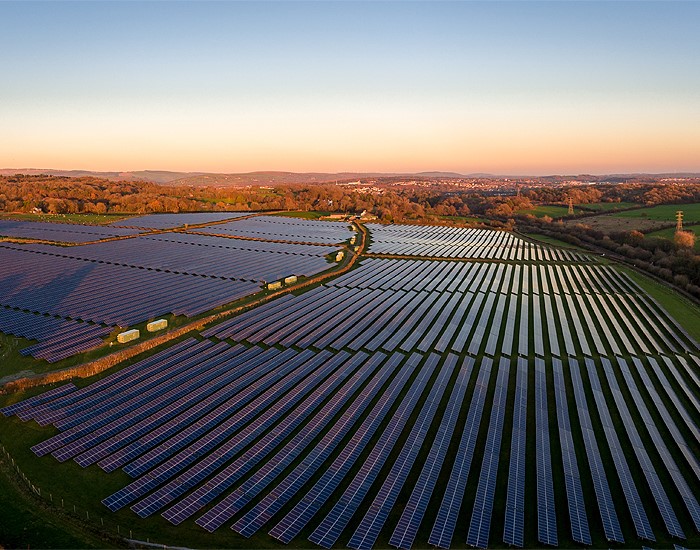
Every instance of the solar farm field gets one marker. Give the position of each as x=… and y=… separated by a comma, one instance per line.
x=286, y=229
x=69, y=298
x=458, y=388
x=61, y=232
x=170, y=221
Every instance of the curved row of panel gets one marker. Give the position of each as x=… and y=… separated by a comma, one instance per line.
x=104, y=293
x=284, y=229
x=204, y=260
x=58, y=338
x=61, y=232
x=273, y=437
x=460, y=306
x=170, y=221
x=342, y=431
x=460, y=242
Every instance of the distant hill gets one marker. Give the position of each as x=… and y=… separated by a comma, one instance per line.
x=272, y=178
x=263, y=178
x=199, y=179
x=154, y=176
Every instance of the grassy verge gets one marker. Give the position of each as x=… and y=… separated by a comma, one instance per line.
x=92, y=219
x=548, y=210
x=28, y=522
x=682, y=310
x=551, y=240
x=310, y=215
x=607, y=206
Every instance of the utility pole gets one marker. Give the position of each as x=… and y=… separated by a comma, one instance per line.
x=571, y=206
x=679, y=220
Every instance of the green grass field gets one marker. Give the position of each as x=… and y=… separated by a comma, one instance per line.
x=461, y=219
x=607, y=206
x=548, y=210
x=664, y=212
x=669, y=234
x=28, y=523
x=686, y=313
x=307, y=215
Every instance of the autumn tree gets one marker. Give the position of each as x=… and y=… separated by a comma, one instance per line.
x=684, y=239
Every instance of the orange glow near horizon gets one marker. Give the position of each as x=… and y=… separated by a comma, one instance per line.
x=532, y=139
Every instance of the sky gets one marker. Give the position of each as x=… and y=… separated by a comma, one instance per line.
x=513, y=87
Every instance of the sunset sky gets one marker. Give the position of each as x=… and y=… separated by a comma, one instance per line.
x=502, y=87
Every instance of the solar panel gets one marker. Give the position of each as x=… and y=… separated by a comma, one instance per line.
x=608, y=515
x=572, y=481
x=480, y=524
x=227, y=507
x=295, y=481
x=446, y=521
x=514, y=524
x=335, y=521
x=367, y=532
x=634, y=503
x=546, y=512
x=323, y=489
x=407, y=528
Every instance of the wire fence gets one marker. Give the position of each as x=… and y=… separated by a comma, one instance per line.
x=95, y=524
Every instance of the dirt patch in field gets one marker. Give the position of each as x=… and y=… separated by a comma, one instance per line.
x=610, y=224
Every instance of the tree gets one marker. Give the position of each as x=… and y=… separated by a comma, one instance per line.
x=684, y=239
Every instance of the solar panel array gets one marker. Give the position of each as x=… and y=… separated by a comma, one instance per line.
x=309, y=415
x=126, y=281
x=284, y=229
x=459, y=242
x=216, y=258
x=107, y=293
x=58, y=338
x=514, y=524
x=61, y=232
x=169, y=221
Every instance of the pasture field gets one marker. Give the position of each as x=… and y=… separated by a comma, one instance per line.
x=642, y=219
x=305, y=215
x=552, y=211
x=665, y=212
x=669, y=233
x=607, y=206
x=457, y=388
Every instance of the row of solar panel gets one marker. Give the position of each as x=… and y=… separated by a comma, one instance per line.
x=109, y=294
x=360, y=316
x=447, y=242
x=208, y=241
x=284, y=229
x=175, y=257
x=168, y=221
x=276, y=391
x=58, y=338
x=61, y=232
x=264, y=227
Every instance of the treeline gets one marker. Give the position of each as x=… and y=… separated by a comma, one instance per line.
x=673, y=261
x=64, y=195
x=648, y=194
